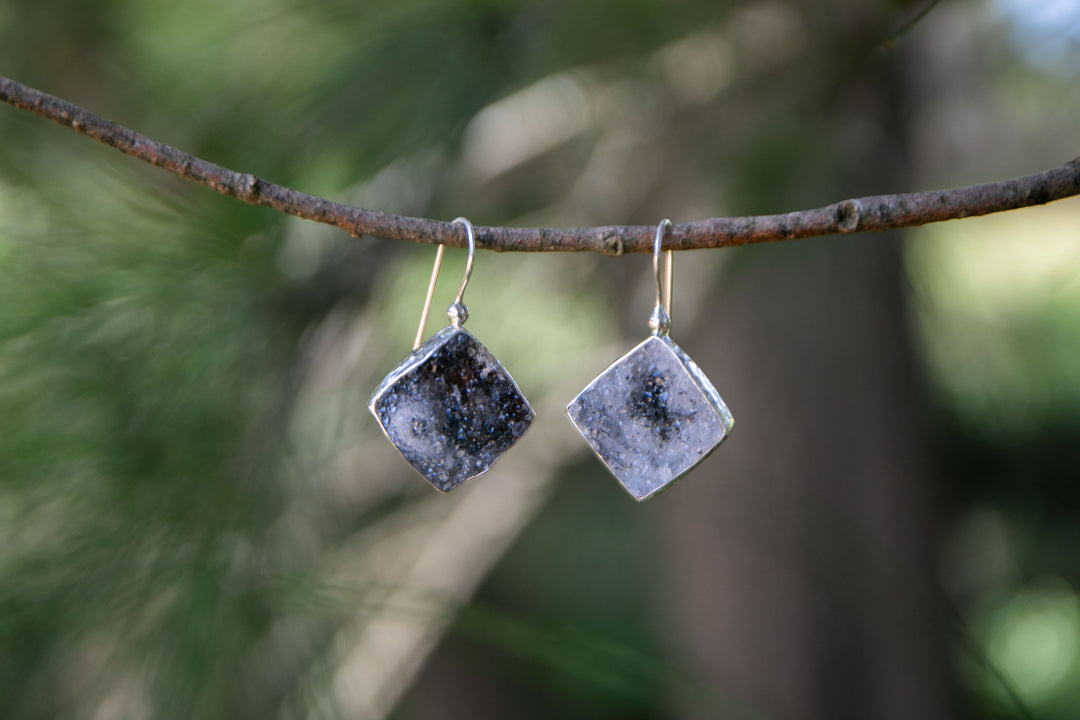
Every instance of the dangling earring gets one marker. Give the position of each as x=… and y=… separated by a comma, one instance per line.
x=450, y=408
x=652, y=415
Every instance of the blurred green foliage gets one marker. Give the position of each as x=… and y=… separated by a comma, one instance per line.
x=162, y=426
x=997, y=304
x=150, y=343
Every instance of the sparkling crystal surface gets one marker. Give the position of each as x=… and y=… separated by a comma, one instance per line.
x=451, y=409
x=651, y=416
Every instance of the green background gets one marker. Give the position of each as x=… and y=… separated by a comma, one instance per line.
x=198, y=517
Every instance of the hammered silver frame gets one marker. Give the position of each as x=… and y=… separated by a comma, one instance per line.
x=451, y=423
x=651, y=416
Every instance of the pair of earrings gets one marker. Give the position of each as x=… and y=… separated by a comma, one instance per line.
x=451, y=409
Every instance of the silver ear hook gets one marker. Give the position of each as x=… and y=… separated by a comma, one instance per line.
x=660, y=319
x=457, y=312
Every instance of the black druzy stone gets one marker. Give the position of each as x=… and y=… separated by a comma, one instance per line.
x=451, y=409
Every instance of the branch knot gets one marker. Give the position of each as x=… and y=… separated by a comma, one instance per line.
x=612, y=243
x=249, y=188
x=847, y=216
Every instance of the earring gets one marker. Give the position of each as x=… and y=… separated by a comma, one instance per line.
x=652, y=415
x=450, y=408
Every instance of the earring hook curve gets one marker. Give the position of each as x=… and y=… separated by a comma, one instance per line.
x=457, y=312
x=471, y=235
x=660, y=320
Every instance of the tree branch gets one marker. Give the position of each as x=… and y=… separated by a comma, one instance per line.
x=876, y=213
x=910, y=24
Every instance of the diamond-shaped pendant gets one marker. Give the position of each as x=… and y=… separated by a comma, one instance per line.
x=451, y=409
x=651, y=416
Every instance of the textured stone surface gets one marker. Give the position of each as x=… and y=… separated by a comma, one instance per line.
x=651, y=416
x=451, y=409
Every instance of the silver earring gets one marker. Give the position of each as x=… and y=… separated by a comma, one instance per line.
x=450, y=408
x=652, y=415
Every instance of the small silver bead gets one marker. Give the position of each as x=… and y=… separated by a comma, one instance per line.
x=659, y=321
x=458, y=314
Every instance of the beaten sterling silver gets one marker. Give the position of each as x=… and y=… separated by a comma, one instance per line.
x=653, y=415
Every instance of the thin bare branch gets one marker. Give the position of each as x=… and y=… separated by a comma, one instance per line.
x=910, y=24
x=876, y=213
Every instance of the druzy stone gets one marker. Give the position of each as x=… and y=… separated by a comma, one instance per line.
x=451, y=409
x=651, y=416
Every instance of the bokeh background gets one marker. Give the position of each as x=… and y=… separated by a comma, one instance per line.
x=198, y=518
